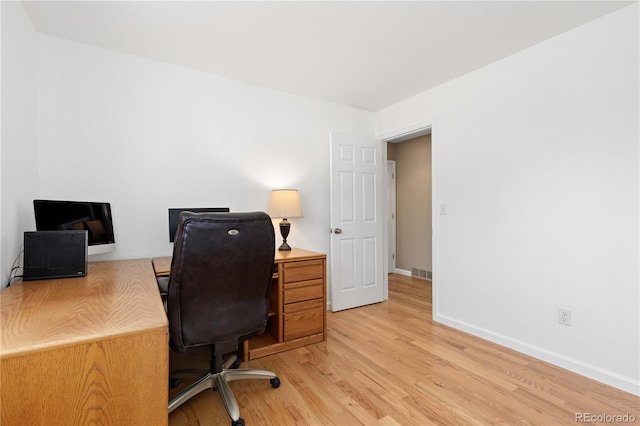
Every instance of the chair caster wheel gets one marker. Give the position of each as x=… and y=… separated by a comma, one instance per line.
x=173, y=383
x=239, y=422
x=235, y=365
x=275, y=382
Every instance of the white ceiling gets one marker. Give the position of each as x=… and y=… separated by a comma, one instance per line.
x=359, y=53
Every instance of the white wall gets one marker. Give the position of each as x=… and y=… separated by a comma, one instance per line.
x=537, y=159
x=19, y=151
x=146, y=136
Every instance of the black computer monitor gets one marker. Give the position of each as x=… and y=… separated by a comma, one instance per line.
x=94, y=217
x=174, y=213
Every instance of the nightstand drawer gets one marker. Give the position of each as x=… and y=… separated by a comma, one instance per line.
x=303, y=271
x=304, y=322
x=303, y=290
x=302, y=306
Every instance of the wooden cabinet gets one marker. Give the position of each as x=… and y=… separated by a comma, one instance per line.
x=298, y=304
x=302, y=298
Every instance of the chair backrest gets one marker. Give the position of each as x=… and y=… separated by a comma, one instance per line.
x=220, y=280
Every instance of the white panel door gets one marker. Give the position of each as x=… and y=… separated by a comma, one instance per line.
x=357, y=222
x=391, y=216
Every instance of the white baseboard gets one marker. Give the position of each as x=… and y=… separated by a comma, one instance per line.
x=624, y=383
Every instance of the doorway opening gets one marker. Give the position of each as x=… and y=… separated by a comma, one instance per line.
x=409, y=205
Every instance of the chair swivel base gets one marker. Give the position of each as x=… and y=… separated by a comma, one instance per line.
x=219, y=381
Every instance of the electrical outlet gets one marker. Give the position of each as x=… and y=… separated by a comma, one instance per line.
x=564, y=316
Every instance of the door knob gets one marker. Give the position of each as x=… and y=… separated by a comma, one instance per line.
x=337, y=231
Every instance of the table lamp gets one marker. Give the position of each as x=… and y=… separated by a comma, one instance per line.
x=285, y=203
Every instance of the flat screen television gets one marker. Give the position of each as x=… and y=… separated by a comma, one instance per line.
x=94, y=217
x=174, y=213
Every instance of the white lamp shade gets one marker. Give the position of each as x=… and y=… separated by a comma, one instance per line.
x=285, y=203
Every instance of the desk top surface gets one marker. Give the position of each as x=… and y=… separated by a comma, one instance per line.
x=115, y=298
x=162, y=265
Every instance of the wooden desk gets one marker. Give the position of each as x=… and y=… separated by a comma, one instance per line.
x=86, y=350
x=298, y=302
x=161, y=266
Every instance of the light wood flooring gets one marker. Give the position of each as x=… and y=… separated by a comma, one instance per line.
x=390, y=364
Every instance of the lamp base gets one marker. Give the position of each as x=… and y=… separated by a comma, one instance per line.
x=285, y=226
x=284, y=247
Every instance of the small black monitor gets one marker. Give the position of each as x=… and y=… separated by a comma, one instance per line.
x=174, y=213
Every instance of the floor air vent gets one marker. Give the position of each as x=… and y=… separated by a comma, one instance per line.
x=420, y=273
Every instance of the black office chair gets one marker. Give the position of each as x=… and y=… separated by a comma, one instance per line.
x=219, y=294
